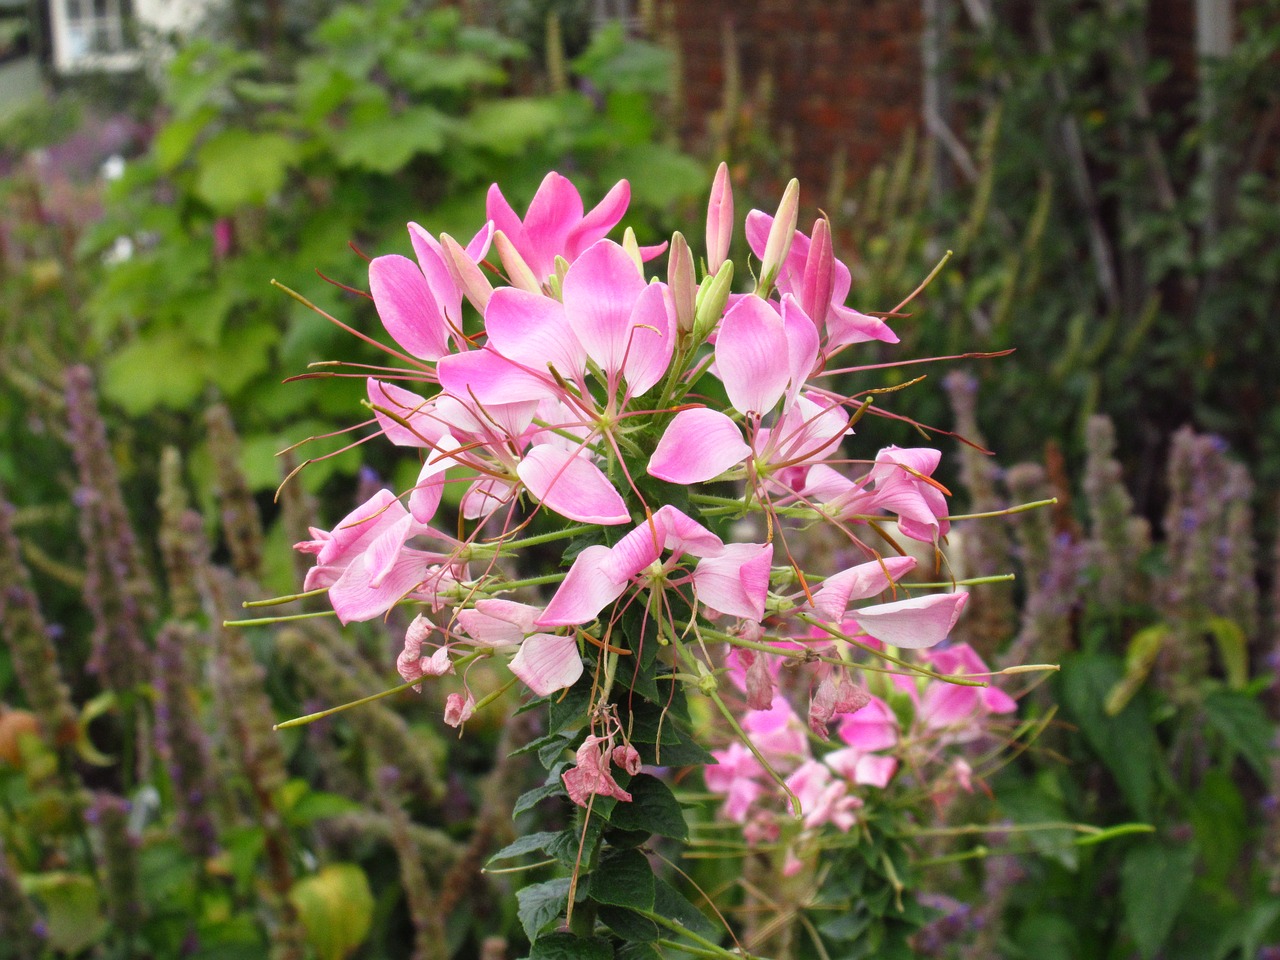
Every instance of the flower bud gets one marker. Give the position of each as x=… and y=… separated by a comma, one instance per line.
x=632, y=246
x=711, y=300
x=680, y=278
x=819, y=275
x=781, y=233
x=719, y=220
x=518, y=271
x=466, y=273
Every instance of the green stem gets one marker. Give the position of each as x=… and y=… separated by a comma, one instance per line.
x=263, y=621
x=544, y=537
x=312, y=717
x=276, y=601
x=711, y=949
x=531, y=581
x=742, y=735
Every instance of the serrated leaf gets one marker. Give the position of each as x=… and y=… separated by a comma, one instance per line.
x=565, y=946
x=1154, y=883
x=162, y=370
x=529, y=843
x=387, y=143
x=531, y=798
x=674, y=905
x=507, y=126
x=653, y=809
x=540, y=903
x=623, y=878
x=628, y=924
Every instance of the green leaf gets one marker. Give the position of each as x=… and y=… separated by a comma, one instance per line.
x=507, y=126
x=239, y=167
x=531, y=798
x=71, y=906
x=623, y=878
x=1243, y=723
x=1126, y=743
x=565, y=946
x=637, y=951
x=387, y=143
x=672, y=904
x=529, y=843
x=660, y=175
x=653, y=809
x=1232, y=650
x=1221, y=823
x=317, y=805
x=1140, y=657
x=540, y=903
x=336, y=908
x=173, y=143
x=1154, y=883
x=628, y=924
x=163, y=369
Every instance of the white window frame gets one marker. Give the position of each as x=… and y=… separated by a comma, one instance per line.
x=73, y=37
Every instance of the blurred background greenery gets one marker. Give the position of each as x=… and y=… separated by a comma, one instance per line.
x=1121, y=231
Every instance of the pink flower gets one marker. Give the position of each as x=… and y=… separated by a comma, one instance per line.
x=958, y=712
x=590, y=775
x=411, y=664
x=554, y=224
x=823, y=798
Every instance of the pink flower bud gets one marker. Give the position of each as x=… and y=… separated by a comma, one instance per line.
x=819, y=275
x=466, y=273
x=680, y=278
x=518, y=271
x=719, y=219
x=781, y=234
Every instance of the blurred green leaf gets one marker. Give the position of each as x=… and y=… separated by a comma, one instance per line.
x=73, y=912
x=238, y=167
x=336, y=907
x=1154, y=883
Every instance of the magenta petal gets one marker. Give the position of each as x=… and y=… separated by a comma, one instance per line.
x=585, y=591
x=913, y=624
x=802, y=345
x=874, y=727
x=602, y=218
x=600, y=291
x=567, y=482
x=444, y=289
x=406, y=306
x=735, y=583
x=698, y=444
x=858, y=583
x=547, y=663
x=751, y=356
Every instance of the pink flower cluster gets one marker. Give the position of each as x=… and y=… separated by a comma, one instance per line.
x=871, y=745
x=566, y=381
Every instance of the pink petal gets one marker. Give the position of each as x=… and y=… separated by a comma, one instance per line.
x=600, y=291
x=751, y=351
x=652, y=337
x=802, y=345
x=915, y=623
x=424, y=500
x=858, y=583
x=874, y=727
x=586, y=590
x=533, y=330
x=682, y=533
x=444, y=289
x=423, y=428
x=736, y=582
x=355, y=597
x=406, y=306
x=547, y=663
x=488, y=378
x=569, y=483
x=497, y=623
x=816, y=288
x=602, y=218
x=363, y=525
x=458, y=709
x=698, y=444
x=554, y=211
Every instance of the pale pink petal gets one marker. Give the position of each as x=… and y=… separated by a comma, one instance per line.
x=874, y=727
x=682, y=533
x=915, y=623
x=735, y=583
x=874, y=770
x=361, y=527
x=652, y=337
x=424, y=500
x=570, y=484
x=495, y=622
x=413, y=424
x=355, y=597
x=802, y=346
x=484, y=496
x=590, y=776
x=586, y=590
x=546, y=663
x=458, y=708
x=859, y=582
x=381, y=555
x=487, y=378
x=697, y=445
x=600, y=291
x=846, y=325
x=627, y=757
x=406, y=306
x=751, y=352
x=533, y=330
